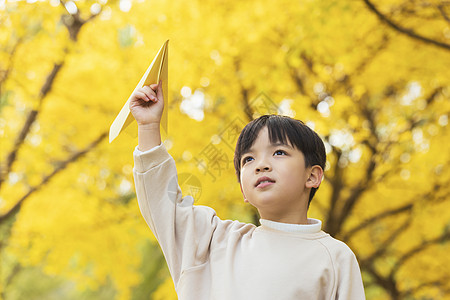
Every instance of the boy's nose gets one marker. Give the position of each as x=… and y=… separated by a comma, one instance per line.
x=263, y=167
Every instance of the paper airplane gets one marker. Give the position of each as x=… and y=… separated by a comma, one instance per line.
x=156, y=71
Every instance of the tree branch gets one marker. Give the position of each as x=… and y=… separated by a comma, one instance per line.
x=444, y=237
x=73, y=24
x=17, y=268
x=299, y=82
x=337, y=185
x=442, y=11
x=438, y=283
x=348, y=204
x=355, y=195
x=376, y=218
x=31, y=118
x=389, y=286
x=5, y=73
x=62, y=165
x=244, y=92
x=345, y=82
x=403, y=30
x=382, y=249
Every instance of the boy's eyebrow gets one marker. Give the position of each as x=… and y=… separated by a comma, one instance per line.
x=272, y=144
x=281, y=144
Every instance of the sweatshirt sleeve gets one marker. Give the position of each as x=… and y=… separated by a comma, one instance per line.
x=349, y=284
x=183, y=231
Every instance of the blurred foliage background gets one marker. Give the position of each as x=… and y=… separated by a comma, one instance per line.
x=372, y=78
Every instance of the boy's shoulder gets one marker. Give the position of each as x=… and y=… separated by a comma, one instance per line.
x=337, y=249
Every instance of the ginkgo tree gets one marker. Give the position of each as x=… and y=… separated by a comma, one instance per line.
x=370, y=77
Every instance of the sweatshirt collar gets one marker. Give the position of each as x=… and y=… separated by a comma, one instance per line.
x=313, y=226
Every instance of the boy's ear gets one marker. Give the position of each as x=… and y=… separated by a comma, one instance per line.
x=315, y=177
x=242, y=191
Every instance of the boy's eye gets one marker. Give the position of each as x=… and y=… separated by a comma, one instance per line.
x=280, y=152
x=246, y=160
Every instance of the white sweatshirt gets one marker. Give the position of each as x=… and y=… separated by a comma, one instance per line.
x=210, y=258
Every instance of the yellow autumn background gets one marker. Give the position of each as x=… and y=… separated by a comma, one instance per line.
x=371, y=77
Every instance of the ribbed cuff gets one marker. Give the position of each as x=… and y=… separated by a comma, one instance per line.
x=137, y=151
x=145, y=160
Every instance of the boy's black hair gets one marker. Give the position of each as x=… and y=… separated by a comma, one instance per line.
x=287, y=131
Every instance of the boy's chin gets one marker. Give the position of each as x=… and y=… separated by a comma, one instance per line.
x=263, y=203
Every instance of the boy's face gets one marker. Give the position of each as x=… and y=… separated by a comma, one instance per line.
x=275, y=180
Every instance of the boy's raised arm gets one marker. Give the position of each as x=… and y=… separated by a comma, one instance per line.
x=183, y=231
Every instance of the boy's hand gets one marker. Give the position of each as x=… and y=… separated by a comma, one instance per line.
x=147, y=105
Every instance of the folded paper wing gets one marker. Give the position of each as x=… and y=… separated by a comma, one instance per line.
x=156, y=71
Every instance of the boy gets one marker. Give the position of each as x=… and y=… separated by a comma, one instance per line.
x=279, y=163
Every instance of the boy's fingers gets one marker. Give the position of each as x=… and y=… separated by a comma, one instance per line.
x=142, y=96
x=149, y=89
x=157, y=88
x=151, y=94
x=154, y=87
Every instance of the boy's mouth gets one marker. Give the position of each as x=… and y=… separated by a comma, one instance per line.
x=264, y=181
